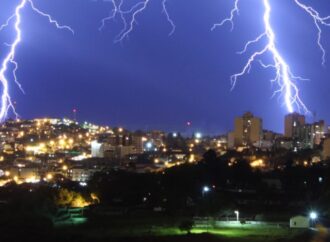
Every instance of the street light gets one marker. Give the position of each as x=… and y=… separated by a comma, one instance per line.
x=198, y=135
x=149, y=145
x=237, y=215
x=313, y=216
x=49, y=176
x=205, y=189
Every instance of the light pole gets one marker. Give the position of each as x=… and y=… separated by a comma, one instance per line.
x=313, y=216
x=237, y=215
x=206, y=189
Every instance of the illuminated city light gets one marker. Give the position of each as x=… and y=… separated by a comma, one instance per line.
x=198, y=135
x=49, y=176
x=192, y=158
x=32, y=179
x=95, y=198
x=206, y=189
x=313, y=215
x=149, y=145
x=83, y=184
x=258, y=164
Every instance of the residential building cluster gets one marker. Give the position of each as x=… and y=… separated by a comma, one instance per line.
x=298, y=135
x=59, y=150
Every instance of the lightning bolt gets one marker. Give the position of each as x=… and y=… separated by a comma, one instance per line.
x=129, y=17
x=233, y=13
x=9, y=60
x=319, y=22
x=168, y=17
x=284, y=78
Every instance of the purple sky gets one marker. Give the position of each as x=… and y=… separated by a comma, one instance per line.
x=151, y=80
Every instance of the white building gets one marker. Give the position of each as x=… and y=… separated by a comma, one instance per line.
x=99, y=149
x=300, y=222
x=106, y=150
x=79, y=174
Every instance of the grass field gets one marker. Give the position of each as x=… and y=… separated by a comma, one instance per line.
x=140, y=231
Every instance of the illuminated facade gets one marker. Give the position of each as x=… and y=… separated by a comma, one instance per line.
x=318, y=132
x=326, y=149
x=248, y=130
x=292, y=123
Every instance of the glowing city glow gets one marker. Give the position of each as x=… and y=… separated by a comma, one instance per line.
x=285, y=79
x=129, y=17
x=9, y=60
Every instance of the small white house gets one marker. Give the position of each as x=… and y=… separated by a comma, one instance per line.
x=299, y=222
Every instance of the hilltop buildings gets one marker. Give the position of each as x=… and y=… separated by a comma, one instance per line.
x=51, y=149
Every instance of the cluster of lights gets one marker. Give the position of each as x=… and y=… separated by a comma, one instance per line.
x=260, y=163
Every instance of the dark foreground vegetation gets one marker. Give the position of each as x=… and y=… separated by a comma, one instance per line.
x=173, y=205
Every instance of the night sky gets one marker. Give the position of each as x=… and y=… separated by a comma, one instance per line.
x=153, y=81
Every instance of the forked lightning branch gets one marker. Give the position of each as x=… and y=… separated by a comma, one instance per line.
x=9, y=63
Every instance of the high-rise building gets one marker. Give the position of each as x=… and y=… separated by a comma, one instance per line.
x=326, y=148
x=292, y=124
x=248, y=130
x=312, y=134
x=231, y=140
x=303, y=135
x=138, y=142
x=318, y=132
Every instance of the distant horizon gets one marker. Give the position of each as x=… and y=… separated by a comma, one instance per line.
x=185, y=130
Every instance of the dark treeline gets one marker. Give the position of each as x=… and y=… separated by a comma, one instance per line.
x=180, y=188
x=210, y=187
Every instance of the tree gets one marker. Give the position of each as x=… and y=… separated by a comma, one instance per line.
x=186, y=225
x=210, y=156
x=63, y=197
x=68, y=198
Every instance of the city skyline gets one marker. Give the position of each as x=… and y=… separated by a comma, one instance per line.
x=188, y=130
x=156, y=81
x=146, y=120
